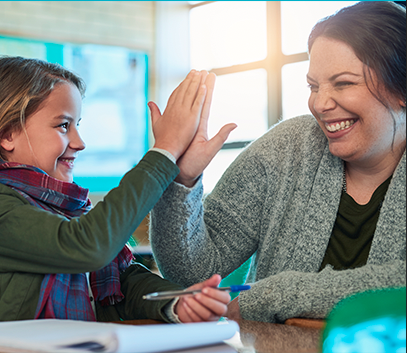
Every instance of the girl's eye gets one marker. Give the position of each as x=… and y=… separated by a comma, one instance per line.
x=64, y=126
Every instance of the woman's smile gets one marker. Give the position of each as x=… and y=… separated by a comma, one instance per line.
x=339, y=126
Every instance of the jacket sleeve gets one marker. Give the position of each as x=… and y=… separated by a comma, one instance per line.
x=37, y=241
x=137, y=281
x=312, y=295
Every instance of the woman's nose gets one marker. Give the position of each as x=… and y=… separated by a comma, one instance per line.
x=323, y=101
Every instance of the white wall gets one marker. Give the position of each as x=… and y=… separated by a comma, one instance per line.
x=122, y=23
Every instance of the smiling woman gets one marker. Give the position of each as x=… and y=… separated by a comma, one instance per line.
x=318, y=202
x=349, y=114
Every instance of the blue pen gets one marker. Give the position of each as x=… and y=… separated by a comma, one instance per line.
x=178, y=293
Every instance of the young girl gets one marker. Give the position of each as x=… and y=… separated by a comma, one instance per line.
x=58, y=257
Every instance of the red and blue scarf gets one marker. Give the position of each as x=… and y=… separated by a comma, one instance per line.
x=65, y=296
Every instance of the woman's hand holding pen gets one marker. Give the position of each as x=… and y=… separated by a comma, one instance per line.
x=202, y=150
x=209, y=305
x=176, y=127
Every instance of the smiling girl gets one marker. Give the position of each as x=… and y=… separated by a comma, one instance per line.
x=58, y=257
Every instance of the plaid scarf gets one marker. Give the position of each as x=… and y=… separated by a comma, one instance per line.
x=65, y=296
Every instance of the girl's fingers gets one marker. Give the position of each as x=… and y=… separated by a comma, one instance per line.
x=213, y=306
x=191, y=312
x=184, y=316
x=155, y=112
x=207, y=308
x=191, y=93
x=181, y=89
x=216, y=294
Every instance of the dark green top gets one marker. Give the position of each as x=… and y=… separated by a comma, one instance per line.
x=353, y=231
x=34, y=242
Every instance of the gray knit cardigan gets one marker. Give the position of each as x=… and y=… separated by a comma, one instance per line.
x=278, y=202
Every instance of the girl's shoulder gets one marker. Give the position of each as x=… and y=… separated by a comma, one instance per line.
x=7, y=193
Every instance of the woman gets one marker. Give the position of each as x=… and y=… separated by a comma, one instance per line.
x=317, y=202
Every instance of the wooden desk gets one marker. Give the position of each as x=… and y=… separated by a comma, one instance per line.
x=263, y=337
x=297, y=336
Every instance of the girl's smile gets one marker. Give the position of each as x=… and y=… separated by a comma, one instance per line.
x=51, y=139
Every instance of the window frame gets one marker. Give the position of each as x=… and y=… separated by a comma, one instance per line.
x=272, y=64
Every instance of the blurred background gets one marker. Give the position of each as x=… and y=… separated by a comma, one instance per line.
x=131, y=52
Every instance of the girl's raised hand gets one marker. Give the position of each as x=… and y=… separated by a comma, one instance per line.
x=202, y=150
x=176, y=127
x=209, y=305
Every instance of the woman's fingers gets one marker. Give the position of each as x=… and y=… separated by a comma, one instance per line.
x=216, y=142
x=210, y=86
x=199, y=101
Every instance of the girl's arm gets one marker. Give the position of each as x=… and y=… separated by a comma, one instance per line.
x=37, y=241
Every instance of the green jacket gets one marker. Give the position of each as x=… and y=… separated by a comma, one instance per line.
x=34, y=242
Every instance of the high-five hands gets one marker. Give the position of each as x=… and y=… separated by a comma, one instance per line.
x=209, y=305
x=202, y=150
x=182, y=129
x=176, y=127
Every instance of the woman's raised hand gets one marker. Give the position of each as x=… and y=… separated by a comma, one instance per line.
x=201, y=150
x=176, y=127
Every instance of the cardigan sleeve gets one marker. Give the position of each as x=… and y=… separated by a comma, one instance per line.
x=277, y=202
x=193, y=237
x=189, y=244
x=312, y=295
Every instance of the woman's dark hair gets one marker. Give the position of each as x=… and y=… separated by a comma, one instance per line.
x=24, y=85
x=376, y=31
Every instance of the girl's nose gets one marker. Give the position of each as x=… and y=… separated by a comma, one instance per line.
x=76, y=142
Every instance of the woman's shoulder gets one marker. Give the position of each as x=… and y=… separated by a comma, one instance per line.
x=301, y=133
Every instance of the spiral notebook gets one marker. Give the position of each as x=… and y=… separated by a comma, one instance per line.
x=67, y=336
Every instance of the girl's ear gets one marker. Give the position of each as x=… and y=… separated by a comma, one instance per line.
x=7, y=142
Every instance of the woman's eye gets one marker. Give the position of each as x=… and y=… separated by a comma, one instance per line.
x=312, y=87
x=343, y=83
x=64, y=126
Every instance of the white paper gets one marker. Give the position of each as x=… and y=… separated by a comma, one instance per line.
x=62, y=335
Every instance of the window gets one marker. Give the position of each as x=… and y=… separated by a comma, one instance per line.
x=114, y=113
x=258, y=50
